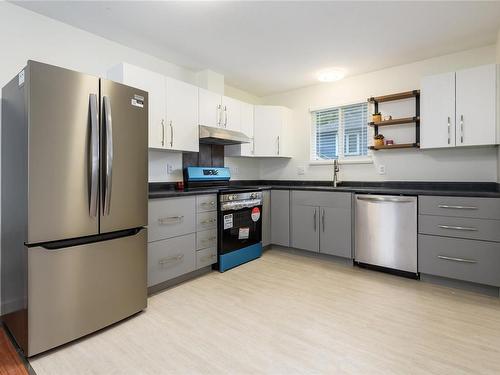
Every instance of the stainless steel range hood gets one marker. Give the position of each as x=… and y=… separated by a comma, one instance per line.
x=221, y=136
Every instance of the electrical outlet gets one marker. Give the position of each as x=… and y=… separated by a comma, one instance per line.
x=170, y=168
x=381, y=169
x=301, y=170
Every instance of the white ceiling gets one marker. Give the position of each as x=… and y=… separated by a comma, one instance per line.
x=269, y=47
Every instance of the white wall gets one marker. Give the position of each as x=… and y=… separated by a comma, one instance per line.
x=27, y=35
x=472, y=164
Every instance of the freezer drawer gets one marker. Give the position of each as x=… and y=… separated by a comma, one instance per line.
x=77, y=290
x=469, y=260
x=386, y=231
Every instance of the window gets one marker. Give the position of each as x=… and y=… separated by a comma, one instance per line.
x=340, y=132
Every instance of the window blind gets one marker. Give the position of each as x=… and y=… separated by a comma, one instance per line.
x=340, y=132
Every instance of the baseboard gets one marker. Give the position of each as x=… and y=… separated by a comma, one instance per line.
x=463, y=285
x=178, y=280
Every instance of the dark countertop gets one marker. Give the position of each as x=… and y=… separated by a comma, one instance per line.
x=463, y=189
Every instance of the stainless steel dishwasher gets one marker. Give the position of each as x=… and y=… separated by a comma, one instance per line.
x=386, y=232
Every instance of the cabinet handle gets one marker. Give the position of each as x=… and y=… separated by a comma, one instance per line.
x=470, y=229
x=461, y=260
x=171, y=134
x=278, y=144
x=314, y=218
x=173, y=259
x=209, y=239
x=219, y=108
x=449, y=130
x=457, y=207
x=323, y=219
x=208, y=221
x=211, y=204
x=225, y=116
x=170, y=220
x=209, y=257
x=162, y=133
x=461, y=128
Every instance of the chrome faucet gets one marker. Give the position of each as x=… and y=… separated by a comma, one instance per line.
x=336, y=170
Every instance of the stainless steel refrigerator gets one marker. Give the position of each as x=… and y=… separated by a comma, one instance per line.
x=74, y=204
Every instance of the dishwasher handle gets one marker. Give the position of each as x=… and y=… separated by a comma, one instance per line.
x=384, y=199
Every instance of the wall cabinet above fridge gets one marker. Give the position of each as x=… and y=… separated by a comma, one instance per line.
x=173, y=109
x=460, y=108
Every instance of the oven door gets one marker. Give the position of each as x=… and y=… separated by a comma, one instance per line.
x=239, y=228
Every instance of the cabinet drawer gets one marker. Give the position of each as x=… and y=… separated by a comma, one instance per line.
x=206, y=220
x=206, y=203
x=321, y=198
x=206, y=238
x=171, y=258
x=206, y=257
x=170, y=218
x=479, y=229
x=480, y=208
x=469, y=260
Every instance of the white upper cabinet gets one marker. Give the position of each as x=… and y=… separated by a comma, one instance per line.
x=247, y=124
x=154, y=84
x=270, y=123
x=173, y=107
x=219, y=111
x=182, y=116
x=231, y=113
x=209, y=107
x=459, y=108
x=476, y=106
x=437, y=111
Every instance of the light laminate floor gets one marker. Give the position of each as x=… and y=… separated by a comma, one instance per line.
x=287, y=313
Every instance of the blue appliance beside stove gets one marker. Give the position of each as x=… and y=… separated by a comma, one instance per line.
x=239, y=216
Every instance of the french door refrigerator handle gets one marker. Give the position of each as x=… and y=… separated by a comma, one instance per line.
x=94, y=157
x=108, y=121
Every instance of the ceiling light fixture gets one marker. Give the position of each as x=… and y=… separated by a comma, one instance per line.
x=331, y=74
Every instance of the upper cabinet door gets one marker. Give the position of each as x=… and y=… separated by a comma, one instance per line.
x=210, y=111
x=154, y=84
x=181, y=127
x=231, y=113
x=437, y=125
x=476, y=106
x=269, y=130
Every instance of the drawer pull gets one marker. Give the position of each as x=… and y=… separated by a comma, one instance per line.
x=457, y=207
x=453, y=227
x=211, y=204
x=209, y=257
x=168, y=260
x=170, y=220
x=461, y=260
x=210, y=239
x=208, y=221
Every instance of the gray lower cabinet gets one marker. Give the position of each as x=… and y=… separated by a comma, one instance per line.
x=171, y=217
x=479, y=229
x=206, y=257
x=479, y=208
x=266, y=218
x=463, y=259
x=170, y=258
x=335, y=235
x=321, y=222
x=305, y=227
x=280, y=217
